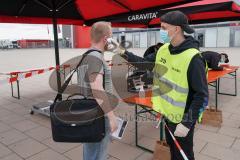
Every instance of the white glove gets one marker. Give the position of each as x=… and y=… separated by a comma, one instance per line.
x=181, y=130
x=114, y=46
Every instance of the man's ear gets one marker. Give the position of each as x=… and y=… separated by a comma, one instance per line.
x=179, y=29
x=105, y=39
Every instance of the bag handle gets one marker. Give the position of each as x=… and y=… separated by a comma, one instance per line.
x=76, y=94
x=64, y=86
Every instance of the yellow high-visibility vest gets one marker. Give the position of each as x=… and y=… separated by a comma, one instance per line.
x=170, y=83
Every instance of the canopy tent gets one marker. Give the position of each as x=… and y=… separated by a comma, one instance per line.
x=78, y=12
x=206, y=11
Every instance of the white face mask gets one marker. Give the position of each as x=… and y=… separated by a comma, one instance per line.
x=110, y=45
x=223, y=59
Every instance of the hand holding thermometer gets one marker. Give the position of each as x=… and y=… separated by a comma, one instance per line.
x=112, y=44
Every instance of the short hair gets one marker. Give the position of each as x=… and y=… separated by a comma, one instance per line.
x=99, y=30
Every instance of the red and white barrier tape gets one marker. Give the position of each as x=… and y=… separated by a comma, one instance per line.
x=18, y=75
x=177, y=144
x=174, y=139
x=15, y=76
x=15, y=73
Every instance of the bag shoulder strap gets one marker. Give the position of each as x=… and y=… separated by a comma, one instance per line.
x=64, y=86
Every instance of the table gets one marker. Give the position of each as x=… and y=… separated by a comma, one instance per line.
x=146, y=105
x=214, y=80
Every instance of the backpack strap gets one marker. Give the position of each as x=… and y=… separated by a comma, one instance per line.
x=64, y=86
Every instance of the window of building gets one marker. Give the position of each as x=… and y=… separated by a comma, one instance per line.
x=151, y=38
x=143, y=39
x=136, y=40
x=235, y=36
x=223, y=36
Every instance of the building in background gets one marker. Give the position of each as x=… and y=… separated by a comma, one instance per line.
x=214, y=35
x=218, y=34
x=6, y=44
x=67, y=36
x=34, y=43
x=81, y=36
x=209, y=35
x=140, y=38
x=76, y=36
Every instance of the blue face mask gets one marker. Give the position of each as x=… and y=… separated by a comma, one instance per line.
x=164, y=36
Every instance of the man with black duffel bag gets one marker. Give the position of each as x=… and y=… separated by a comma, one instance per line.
x=95, y=107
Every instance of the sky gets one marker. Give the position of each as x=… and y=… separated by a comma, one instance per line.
x=25, y=31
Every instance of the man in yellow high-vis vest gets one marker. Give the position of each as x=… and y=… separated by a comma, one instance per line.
x=180, y=90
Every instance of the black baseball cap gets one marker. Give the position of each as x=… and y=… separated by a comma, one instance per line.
x=177, y=18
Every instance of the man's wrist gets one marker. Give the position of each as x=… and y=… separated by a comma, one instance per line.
x=111, y=114
x=121, y=50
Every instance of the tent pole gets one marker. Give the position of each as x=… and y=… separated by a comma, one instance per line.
x=55, y=33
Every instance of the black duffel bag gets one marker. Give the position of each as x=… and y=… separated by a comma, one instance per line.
x=76, y=120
